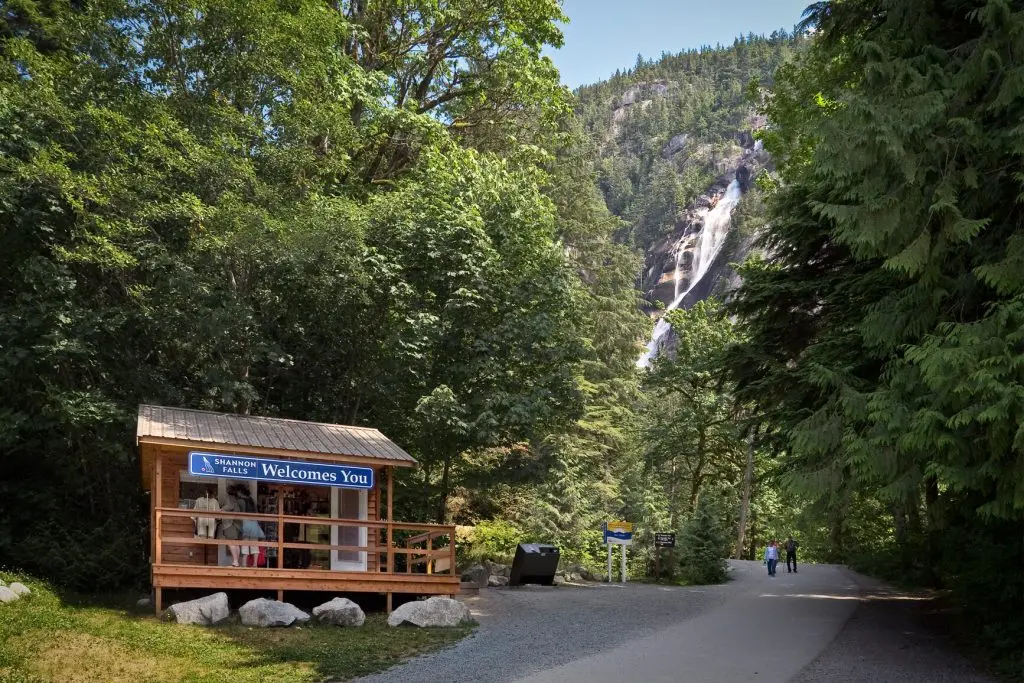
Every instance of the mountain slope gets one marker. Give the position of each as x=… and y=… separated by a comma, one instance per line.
x=676, y=138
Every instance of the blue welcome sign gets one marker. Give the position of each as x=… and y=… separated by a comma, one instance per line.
x=285, y=471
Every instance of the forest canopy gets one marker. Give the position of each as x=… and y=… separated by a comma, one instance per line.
x=391, y=213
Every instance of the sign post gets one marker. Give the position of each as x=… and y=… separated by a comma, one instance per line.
x=661, y=541
x=617, y=533
x=623, y=574
x=609, y=563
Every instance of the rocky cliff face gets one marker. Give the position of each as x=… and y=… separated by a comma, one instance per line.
x=694, y=261
x=677, y=157
x=669, y=262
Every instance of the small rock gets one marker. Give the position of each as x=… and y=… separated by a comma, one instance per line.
x=559, y=580
x=495, y=581
x=20, y=588
x=204, y=611
x=575, y=577
x=269, y=613
x=436, y=611
x=476, y=575
x=7, y=595
x=144, y=602
x=340, y=612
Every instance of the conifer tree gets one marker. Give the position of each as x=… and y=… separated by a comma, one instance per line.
x=702, y=544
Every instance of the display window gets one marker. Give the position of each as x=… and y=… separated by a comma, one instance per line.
x=255, y=538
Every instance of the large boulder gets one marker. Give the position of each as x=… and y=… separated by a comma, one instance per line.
x=436, y=611
x=268, y=613
x=339, y=612
x=20, y=589
x=495, y=581
x=578, y=572
x=495, y=569
x=7, y=595
x=203, y=612
x=476, y=575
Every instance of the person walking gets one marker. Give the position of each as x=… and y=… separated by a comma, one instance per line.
x=771, y=557
x=791, y=547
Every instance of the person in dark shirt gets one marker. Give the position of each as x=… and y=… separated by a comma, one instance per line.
x=791, y=547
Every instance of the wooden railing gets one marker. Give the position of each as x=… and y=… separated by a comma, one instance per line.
x=383, y=538
x=433, y=563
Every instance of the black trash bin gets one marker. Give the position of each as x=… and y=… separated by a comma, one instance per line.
x=534, y=563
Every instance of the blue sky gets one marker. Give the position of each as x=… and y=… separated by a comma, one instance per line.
x=605, y=35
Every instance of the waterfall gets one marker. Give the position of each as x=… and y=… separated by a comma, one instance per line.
x=709, y=244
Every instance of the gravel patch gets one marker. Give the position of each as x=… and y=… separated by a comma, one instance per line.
x=528, y=629
x=890, y=638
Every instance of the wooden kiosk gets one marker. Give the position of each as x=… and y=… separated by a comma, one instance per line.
x=325, y=519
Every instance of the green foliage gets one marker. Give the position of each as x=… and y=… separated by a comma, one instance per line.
x=694, y=436
x=703, y=544
x=493, y=540
x=236, y=206
x=883, y=336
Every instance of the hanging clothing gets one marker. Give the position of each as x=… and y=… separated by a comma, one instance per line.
x=230, y=529
x=206, y=527
x=251, y=530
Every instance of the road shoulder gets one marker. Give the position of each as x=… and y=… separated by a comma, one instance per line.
x=892, y=636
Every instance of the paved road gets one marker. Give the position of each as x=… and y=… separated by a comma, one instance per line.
x=754, y=628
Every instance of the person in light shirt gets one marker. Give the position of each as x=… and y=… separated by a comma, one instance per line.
x=771, y=557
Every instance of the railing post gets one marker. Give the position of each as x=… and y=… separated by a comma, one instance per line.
x=430, y=552
x=158, y=485
x=451, y=551
x=391, y=521
x=280, y=527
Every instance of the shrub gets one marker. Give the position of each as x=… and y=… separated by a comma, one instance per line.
x=702, y=545
x=491, y=540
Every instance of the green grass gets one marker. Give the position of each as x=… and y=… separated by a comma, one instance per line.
x=42, y=638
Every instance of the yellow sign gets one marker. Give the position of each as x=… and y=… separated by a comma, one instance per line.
x=621, y=527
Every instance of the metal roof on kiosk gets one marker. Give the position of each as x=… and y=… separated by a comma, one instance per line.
x=246, y=431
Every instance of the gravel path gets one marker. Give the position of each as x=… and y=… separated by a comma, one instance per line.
x=532, y=628
x=823, y=624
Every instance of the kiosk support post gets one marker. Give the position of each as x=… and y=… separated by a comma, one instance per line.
x=390, y=532
x=158, y=481
x=609, y=562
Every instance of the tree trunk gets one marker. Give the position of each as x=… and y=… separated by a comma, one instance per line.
x=836, y=537
x=900, y=522
x=931, y=501
x=753, y=536
x=442, y=508
x=748, y=479
x=672, y=504
x=698, y=472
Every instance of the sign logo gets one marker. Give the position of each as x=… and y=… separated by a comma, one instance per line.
x=620, y=533
x=285, y=471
